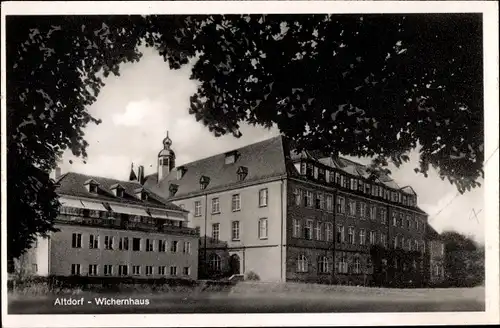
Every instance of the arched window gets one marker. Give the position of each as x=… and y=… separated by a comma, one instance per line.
x=323, y=264
x=215, y=262
x=302, y=263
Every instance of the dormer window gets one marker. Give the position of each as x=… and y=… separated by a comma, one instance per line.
x=230, y=157
x=309, y=170
x=204, y=181
x=321, y=174
x=117, y=190
x=141, y=194
x=242, y=173
x=173, y=189
x=181, y=170
x=92, y=186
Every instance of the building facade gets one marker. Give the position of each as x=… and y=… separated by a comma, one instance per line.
x=436, y=257
x=114, y=228
x=288, y=216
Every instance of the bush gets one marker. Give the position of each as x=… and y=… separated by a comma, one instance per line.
x=252, y=276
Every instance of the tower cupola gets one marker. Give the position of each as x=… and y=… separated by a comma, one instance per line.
x=166, y=159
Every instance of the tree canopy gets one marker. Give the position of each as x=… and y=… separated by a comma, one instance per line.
x=360, y=85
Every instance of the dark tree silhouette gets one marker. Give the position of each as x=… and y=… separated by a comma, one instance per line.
x=371, y=85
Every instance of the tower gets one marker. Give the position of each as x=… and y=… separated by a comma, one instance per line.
x=166, y=159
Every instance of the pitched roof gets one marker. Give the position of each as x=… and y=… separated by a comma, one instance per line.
x=265, y=159
x=73, y=184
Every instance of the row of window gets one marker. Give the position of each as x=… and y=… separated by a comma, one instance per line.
x=356, y=184
x=324, y=265
x=354, y=208
x=235, y=203
x=262, y=230
x=323, y=231
x=123, y=270
x=151, y=245
x=343, y=265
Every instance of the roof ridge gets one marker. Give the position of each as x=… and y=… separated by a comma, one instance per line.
x=97, y=177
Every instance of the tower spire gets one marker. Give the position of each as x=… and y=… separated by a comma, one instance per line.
x=132, y=176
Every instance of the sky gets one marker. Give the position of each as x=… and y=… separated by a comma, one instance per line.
x=147, y=99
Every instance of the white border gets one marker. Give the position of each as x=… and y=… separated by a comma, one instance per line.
x=491, y=68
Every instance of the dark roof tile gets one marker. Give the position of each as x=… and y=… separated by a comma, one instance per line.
x=73, y=184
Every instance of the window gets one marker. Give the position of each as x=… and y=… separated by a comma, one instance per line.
x=197, y=208
x=173, y=246
x=76, y=241
x=350, y=235
x=329, y=203
x=383, y=239
x=263, y=195
x=235, y=203
x=302, y=168
x=149, y=245
x=235, y=230
x=215, y=231
x=187, y=247
x=215, y=263
x=401, y=220
x=357, y=266
x=329, y=231
x=321, y=174
x=162, y=270
x=34, y=268
x=367, y=188
x=302, y=263
x=373, y=237
x=395, y=242
x=92, y=269
x=361, y=185
x=162, y=245
x=383, y=215
x=123, y=270
x=308, y=229
x=417, y=227
x=319, y=228
x=373, y=213
x=320, y=201
x=402, y=242
x=340, y=234
x=340, y=204
x=416, y=246
x=94, y=242
x=423, y=246
x=362, y=211
x=263, y=228
x=108, y=242
x=75, y=269
x=108, y=270
x=323, y=265
x=315, y=172
x=394, y=219
x=342, y=264
x=123, y=244
x=352, y=208
x=136, y=244
x=362, y=237
x=308, y=199
x=309, y=170
x=149, y=270
x=409, y=245
x=215, y=206
x=136, y=270
x=242, y=173
x=442, y=249
x=297, y=194
x=296, y=228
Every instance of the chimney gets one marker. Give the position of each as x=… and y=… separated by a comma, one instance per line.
x=56, y=173
x=140, y=174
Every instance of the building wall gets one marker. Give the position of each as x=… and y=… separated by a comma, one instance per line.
x=251, y=249
x=63, y=255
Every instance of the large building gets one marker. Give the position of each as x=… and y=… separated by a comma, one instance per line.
x=114, y=228
x=289, y=216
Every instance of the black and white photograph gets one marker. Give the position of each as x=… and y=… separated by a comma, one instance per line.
x=268, y=162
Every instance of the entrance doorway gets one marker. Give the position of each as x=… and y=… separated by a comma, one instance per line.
x=234, y=264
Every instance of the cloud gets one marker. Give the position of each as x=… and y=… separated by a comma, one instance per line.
x=134, y=113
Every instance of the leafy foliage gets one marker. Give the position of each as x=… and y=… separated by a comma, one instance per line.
x=328, y=82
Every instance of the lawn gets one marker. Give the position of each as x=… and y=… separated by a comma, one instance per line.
x=266, y=298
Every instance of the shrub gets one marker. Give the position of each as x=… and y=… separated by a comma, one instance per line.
x=252, y=276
